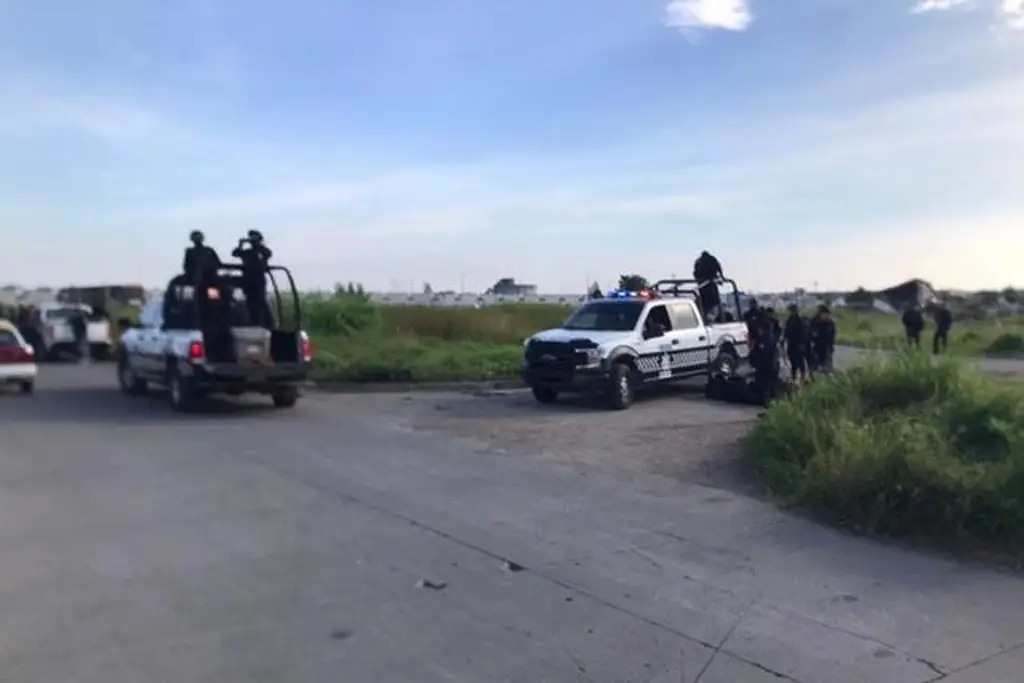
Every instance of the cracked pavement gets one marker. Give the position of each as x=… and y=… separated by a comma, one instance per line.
x=339, y=542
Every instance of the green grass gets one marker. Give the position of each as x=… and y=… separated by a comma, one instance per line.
x=360, y=341
x=980, y=336
x=907, y=446
x=356, y=341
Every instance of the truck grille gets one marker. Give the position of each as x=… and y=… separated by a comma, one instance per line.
x=558, y=353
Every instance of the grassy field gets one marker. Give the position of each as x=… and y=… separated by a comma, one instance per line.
x=360, y=342
x=356, y=341
x=986, y=337
x=907, y=445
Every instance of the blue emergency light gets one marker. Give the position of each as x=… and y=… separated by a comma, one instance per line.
x=627, y=294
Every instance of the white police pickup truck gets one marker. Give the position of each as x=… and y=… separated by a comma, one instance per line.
x=619, y=344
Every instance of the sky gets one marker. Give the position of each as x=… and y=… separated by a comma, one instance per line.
x=810, y=143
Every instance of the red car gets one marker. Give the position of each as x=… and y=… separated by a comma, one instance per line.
x=17, y=359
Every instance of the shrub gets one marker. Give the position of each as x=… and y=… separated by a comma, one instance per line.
x=1006, y=343
x=901, y=445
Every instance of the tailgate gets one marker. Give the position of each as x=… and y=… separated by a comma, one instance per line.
x=98, y=332
x=61, y=333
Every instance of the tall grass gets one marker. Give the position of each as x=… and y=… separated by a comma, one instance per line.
x=904, y=445
x=350, y=315
x=359, y=341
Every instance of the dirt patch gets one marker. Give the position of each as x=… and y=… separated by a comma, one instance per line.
x=674, y=433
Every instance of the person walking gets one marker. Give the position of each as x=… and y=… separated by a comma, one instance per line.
x=943, y=323
x=913, y=325
x=80, y=330
x=795, y=335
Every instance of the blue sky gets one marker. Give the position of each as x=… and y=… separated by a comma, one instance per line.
x=839, y=142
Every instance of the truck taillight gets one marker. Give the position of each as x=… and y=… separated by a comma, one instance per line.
x=195, y=351
x=305, y=348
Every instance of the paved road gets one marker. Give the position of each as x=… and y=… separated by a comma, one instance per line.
x=287, y=546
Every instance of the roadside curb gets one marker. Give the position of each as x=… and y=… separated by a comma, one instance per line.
x=337, y=387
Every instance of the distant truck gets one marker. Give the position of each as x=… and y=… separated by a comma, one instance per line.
x=58, y=338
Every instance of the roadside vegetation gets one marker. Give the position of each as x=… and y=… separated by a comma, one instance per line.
x=357, y=341
x=906, y=445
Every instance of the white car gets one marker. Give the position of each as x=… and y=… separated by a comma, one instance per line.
x=58, y=336
x=17, y=359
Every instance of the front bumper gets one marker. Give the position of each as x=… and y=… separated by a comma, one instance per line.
x=16, y=373
x=564, y=377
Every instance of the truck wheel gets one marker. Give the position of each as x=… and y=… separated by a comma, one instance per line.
x=544, y=395
x=726, y=363
x=621, y=386
x=27, y=387
x=130, y=384
x=285, y=398
x=182, y=391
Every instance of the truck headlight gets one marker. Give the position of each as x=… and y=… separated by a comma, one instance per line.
x=593, y=356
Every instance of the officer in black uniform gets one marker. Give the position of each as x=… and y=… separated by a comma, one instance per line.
x=795, y=335
x=707, y=271
x=913, y=325
x=255, y=256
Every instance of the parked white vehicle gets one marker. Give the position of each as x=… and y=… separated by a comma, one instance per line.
x=629, y=340
x=17, y=359
x=58, y=336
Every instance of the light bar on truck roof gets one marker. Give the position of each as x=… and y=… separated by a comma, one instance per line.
x=628, y=294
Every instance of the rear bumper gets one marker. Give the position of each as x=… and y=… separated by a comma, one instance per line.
x=15, y=373
x=238, y=377
x=565, y=378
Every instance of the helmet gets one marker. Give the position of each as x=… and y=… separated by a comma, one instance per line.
x=197, y=236
x=256, y=235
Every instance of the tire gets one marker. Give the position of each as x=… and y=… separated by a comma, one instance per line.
x=621, y=386
x=285, y=398
x=182, y=391
x=726, y=363
x=129, y=383
x=544, y=395
x=27, y=387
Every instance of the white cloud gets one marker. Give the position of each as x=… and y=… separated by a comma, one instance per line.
x=937, y=5
x=1010, y=13
x=1013, y=11
x=31, y=108
x=726, y=15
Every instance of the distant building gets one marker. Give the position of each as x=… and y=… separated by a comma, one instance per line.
x=507, y=286
x=912, y=292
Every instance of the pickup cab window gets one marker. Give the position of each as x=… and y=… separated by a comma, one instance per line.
x=152, y=314
x=658, y=317
x=684, y=317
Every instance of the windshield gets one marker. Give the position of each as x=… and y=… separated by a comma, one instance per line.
x=609, y=316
